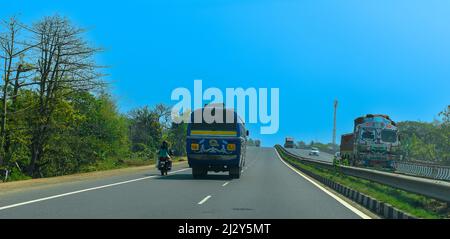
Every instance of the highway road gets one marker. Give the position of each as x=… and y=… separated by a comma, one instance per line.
x=440, y=173
x=268, y=188
x=305, y=153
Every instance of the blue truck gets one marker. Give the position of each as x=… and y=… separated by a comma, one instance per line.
x=216, y=146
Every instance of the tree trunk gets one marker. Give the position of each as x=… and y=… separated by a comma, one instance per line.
x=7, y=133
x=4, y=109
x=35, y=157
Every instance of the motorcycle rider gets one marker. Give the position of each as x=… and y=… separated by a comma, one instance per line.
x=164, y=153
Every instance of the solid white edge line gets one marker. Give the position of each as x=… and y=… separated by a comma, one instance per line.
x=347, y=205
x=83, y=190
x=204, y=200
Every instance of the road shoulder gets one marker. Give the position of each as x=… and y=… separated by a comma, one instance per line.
x=23, y=185
x=356, y=208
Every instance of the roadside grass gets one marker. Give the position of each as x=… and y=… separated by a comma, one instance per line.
x=105, y=165
x=129, y=162
x=414, y=204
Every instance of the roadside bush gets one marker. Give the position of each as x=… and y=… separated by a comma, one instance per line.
x=15, y=175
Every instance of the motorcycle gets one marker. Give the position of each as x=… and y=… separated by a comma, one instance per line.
x=164, y=165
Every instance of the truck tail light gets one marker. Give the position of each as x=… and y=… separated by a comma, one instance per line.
x=231, y=147
x=194, y=146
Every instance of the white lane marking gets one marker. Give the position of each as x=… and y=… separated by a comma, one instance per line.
x=347, y=205
x=225, y=184
x=243, y=169
x=204, y=200
x=83, y=190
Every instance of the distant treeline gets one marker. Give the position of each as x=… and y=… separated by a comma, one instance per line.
x=327, y=148
x=56, y=116
x=253, y=142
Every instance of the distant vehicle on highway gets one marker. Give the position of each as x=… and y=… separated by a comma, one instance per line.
x=289, y=142
x=337, y=158
x=314, y=152
x=374, y=142
x=337, y=155
x=218, y=147
x=258, y=143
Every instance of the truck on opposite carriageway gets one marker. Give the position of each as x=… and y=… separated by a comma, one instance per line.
x=374, y=142
x=289, y=142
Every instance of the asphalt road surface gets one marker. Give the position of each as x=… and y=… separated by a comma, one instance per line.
x=268, y=188
x=305, y=153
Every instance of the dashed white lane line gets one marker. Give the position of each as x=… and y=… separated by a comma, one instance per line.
x=225, y=184
x=347, y=205
x=204, y=200
x=83, y=190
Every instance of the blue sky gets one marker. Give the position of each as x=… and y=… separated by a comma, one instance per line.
x=390, y=57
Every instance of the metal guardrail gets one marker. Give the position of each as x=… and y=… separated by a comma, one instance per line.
x=428, y=187
x=428, y=171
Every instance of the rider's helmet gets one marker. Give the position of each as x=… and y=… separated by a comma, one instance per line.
x=165, y=144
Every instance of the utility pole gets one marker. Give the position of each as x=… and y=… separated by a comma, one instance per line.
x=334, y=123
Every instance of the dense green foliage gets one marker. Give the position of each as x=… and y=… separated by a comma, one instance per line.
x=84, y=130
x=427, y=141
x=145, y=131
x=56, y=118
x=88, y=133
x=177, y=138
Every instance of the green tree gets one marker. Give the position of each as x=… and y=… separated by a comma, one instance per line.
x=426, y=141
x=250, y=142
x=145, y=130
x=87, y=130
x=64, y=64
x=177, y=138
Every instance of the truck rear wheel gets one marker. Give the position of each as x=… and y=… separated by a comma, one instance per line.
x=235, y=172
